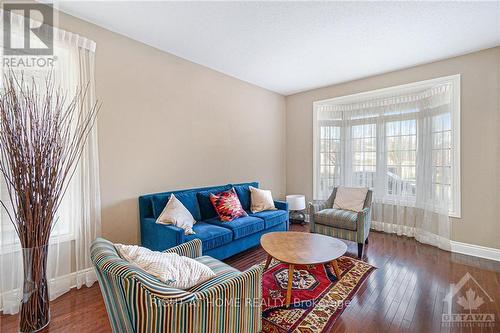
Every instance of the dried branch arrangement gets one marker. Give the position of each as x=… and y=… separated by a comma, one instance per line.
x=42, y=135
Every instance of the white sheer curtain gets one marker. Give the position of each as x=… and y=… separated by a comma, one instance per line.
x=400, y=147
x=79, y=220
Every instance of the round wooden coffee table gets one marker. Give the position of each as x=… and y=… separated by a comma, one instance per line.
x=301, y=248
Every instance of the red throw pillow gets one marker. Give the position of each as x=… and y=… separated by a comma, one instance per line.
x=227, y=205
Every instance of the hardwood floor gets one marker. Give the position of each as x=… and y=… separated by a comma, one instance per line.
x=405, y=293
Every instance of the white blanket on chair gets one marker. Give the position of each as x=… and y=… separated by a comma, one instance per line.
x=174, y=270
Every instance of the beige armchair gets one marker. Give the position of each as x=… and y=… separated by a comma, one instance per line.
x=353, y=226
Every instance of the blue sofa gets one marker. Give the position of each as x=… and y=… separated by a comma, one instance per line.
x=219, y=239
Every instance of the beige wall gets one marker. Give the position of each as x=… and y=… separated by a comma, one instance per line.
x=167, y=123
x=480, y=137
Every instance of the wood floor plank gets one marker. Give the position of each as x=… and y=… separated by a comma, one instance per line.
x=404, y=294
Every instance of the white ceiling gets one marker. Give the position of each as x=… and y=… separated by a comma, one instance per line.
x=289, y=47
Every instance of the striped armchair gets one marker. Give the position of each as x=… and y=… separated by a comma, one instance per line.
x=138, y=302
x=326, y=220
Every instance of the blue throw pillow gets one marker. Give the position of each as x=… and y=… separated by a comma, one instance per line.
x=190, y=201
x=187, y=198
x=243, y=192
x=206, y=208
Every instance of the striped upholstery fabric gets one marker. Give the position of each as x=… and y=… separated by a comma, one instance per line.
x=358, y=233
x=222, y=271
x=217, y=266
x=138, y=302
x=365, y=220
x=337, y=218
x=190, y=249
x=337, y=233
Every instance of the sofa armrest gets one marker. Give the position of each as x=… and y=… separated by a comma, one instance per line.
x=313, y=208
x=191, y=249
x=364, y=222
x=159, y=237
x=282, y=205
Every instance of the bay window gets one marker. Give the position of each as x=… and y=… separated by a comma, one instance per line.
x=401, y=142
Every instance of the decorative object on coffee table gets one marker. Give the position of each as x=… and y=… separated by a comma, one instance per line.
x=42, y=135
x=297, y=206
x=319, y=298
x=301, y=248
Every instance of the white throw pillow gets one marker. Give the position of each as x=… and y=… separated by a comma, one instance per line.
x=350, y=198
x=175, y=270
x=261, y=200
x=175, y=213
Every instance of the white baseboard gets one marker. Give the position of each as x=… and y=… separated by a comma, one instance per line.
x=475, y=250
x=57, y=286
x=455, y=247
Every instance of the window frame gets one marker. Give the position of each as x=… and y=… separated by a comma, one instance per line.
x=454, y=80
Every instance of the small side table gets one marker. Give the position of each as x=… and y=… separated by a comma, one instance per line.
x=297, y=206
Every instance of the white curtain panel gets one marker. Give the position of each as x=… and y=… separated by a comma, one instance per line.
x=79, y=216
x=400, y=147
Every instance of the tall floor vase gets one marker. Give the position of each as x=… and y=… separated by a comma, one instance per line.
x=35, y=311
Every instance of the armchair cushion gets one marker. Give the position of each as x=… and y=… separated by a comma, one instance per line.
x=337, y=218
x=350, y=198
x=212, y=236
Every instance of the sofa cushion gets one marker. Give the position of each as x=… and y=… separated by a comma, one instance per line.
x=337, y=218
x=240, y=227
x=272, y=217
x=211, y=236
x=187, y=198
x=207, y=210
x=243, y=192
x=222, y=272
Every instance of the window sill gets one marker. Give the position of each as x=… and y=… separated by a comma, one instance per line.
x=15, y=247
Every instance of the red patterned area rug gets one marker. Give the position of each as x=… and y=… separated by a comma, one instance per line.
x=318, y=298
